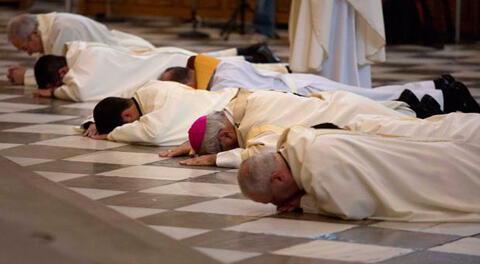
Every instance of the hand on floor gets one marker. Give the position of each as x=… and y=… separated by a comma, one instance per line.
x=16, y=74
x=90, y=131
x=43, y=93
x=205, y=160
x=182, y=150
x=99, y=137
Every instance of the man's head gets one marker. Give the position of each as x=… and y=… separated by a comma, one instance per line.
x=112, y=112
x=179, y=74
x=266, y=178
x=49, y=71
x=23, y=33
x=212, y=133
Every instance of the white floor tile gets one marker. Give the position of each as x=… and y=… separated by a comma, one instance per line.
x=225, y=255
x=179, y=232
x=95, y=193
x=16, y=107
x=414, y=60
x=8, y=145
x=334, y=250
x=33, y=118
x=80, y=142
x=117, y=157
x=157, y=172
x=283, y=227
x=453, y=52
x=196, y=189
x=469, y=246
x=459, y=229
x=135, y=212
x=87, y=105
x=7, y=96
x=231, y=207
x=59, y=176
x=46, y=128
x=27, y=161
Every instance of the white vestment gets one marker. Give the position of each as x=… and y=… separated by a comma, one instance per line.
x=457, y=125
x=97, y=70
x=57, y=29
x=235, y=73
x=169, y=108
x=268, y=113
x=356, y=176
x=338, y=39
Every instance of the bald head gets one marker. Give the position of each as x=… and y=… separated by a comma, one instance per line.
x=266, y=178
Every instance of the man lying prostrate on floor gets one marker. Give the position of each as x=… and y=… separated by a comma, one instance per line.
x=439, y=96
x=47, y=34
x=356, y=175
x=93, y=71
x=253, y=122
x=159, y=113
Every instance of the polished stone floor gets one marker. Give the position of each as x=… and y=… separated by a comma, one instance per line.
x=201, y=208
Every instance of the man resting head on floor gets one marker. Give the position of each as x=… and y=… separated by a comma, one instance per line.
x=355, y=176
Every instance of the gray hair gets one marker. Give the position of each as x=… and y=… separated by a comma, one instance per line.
x=210, y=142
x=254, y=175
x=22, y=26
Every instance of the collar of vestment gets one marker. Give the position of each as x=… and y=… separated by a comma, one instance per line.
x=138, y=106
x=45, y=24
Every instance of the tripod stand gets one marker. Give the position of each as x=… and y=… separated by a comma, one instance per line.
x=231, y=24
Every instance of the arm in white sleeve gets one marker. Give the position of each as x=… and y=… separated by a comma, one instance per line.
x=230, y=159
x=65, y=92
x=136, y=132
x=265, y=142
x=29, y=78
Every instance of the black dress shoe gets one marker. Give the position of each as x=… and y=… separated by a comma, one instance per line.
x=463, y=100
x=249, y=50
x=428, y=107
x=265, y=55
x=410, y=98
x=444, y=81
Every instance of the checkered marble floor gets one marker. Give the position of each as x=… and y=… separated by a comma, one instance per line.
x=202, y=206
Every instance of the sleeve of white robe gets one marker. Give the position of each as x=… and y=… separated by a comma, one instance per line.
x=265, y=142
x=29, y=78
x=146, y=129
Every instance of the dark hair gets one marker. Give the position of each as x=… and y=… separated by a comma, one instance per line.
x=179, y=74
x=108, y=113
x=46, y=70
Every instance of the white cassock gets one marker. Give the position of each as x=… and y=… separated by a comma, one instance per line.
x=268, y=113
x=59, y=28
x=356, y=176
x=236, y=73
x=337, y=39
x=457, y=125
x=168, y=110
x=97, y=70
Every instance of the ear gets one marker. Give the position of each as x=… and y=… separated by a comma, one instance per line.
x=224, y=134
x=277, y=177
x=125, y=115
x=63, y=71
